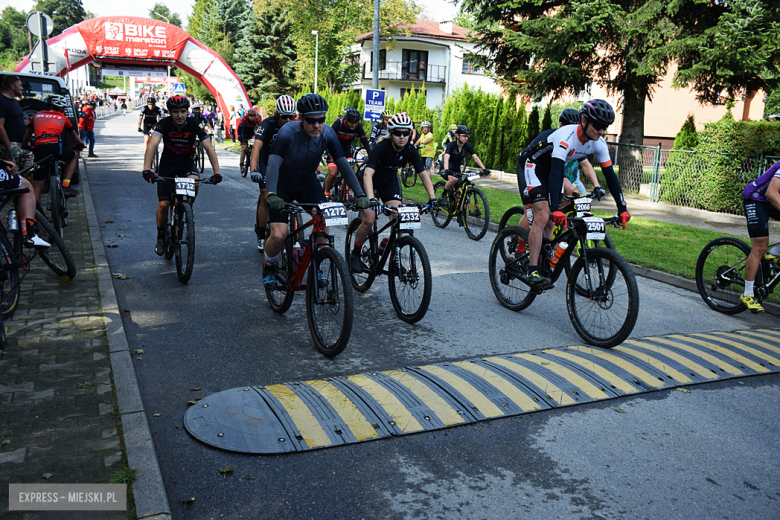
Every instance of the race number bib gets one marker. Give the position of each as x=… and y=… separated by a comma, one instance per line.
x=582, y=206
x=409, y=217
x=185, y=186
x=596, y=228
x=472, y=176
x=334, y=212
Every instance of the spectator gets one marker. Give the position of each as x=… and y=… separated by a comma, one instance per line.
x=12, y=124
x=87, y=126
x=220, y=124
x=233, y=123
x=124, y=108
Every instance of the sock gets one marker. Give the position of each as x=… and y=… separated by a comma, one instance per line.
x=532, y=269
x=260, y=231
x=749, y=288
x=65, y=183
x=160, y=232
x=358, y=245
x=270, y=260
x=28, y=226
x=775, y=250
x=521, y=246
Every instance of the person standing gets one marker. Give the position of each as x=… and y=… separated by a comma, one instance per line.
x=220, y=124
x=12, y=124
x=233, y=123
x=88, y=128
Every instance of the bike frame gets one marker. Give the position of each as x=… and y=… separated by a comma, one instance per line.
x=763, y=290
x=395, y=234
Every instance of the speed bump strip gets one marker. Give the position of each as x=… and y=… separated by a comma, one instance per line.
x=321, y=413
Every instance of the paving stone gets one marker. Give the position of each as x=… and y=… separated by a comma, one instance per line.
x=24, y=387
x=112, y=457
x=33, y=396
x=14, y=457
x=106, y=408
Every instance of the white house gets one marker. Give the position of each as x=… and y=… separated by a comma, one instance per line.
x=431, y=54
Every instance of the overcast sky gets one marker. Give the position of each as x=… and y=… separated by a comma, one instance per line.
x=437, y=9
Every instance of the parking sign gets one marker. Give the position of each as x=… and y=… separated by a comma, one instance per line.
x=375, y=104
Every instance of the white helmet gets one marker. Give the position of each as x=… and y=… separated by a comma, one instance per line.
x=285, y=106
x=399, y=121
x=426, y=123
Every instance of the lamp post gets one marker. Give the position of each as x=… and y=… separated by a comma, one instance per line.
x=316, y=57
x=167, y=20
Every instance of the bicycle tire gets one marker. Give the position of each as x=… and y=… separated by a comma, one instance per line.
x=57, y=257
x=185, y=236
x=403, y=284
x=408, y=176
x=361, y=282
x=716, y=261
x=55, y=190
x=156, y=161
x=169, y=241
x=504, y=266
x=330, y=340
x=620, y=298
x=202, y=159
x=607, y=242
x=280, y=298
x=471, y=209
x=9, y=278
x=510, y=217
x=2, y=333
x=442, y=216
x=361, y=154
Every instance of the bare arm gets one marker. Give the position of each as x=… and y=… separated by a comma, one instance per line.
x=773, y=192
x=4, y=135
x=255, y=159
x=446, y=161
x=590, y=173
x=368, y=181
x=478, y=161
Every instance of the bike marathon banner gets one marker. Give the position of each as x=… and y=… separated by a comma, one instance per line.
x=124, y=42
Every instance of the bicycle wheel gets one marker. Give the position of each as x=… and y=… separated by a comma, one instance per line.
x=280, y=298
x=607, y=242
x=720, y=274
x=329, y=304
x=55, y=200
x=57, y=257
x=202, y=158
x=410, y=295
x=185, y=241
x=169, y=241
x=605, y=317
x=360, y=281
x=476, y=213
x=408, y=176
x=156, y=161
x=2, y=333
x=361, y=155
x=9, y=278
x=512, y=217
x=504, y=267
x=442, y=216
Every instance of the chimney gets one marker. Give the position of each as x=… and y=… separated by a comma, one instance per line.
x=445, y=27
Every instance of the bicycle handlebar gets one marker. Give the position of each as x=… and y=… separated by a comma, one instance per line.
x=160, y=178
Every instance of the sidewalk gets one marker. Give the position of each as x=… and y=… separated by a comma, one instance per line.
x=72, y=411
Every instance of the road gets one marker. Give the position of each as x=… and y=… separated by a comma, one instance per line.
x=710, y=453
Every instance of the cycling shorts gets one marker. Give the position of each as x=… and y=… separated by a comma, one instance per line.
x=427, y=162
x=165, y=188
x=40, y=151
x=310, y=191
x=521, y=186
x=147, y=128
x=386, y=191
x=757, y=213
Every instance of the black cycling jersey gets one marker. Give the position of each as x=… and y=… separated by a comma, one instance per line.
x=457, y=156
x=178, y=144
x=150, y=117
x=199, y=119
x=347, y=136
x=266, y=133
x=376, y=132
x=385, y=161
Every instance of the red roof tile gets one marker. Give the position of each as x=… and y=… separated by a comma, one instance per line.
x=428, y=29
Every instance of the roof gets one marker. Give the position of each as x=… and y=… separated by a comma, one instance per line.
x=427, y=29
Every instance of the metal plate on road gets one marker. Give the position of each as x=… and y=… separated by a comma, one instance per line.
x=322, y=413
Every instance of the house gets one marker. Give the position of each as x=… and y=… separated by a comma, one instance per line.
x=432, y=54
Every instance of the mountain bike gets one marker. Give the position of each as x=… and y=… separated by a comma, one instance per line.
x=601, y=294
x=329, y=299
x=720, y=275
x=244, y=168
x=465, y=201
x=55, y=202
x=179, y=241
x=408, y=268
x=341, y=192
x=199, y=156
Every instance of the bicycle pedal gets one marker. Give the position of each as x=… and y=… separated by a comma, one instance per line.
x=540, y=290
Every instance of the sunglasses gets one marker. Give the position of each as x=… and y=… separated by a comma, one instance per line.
x=315, y=121
x=290, y=118
x=599, y=127
x=402, y=133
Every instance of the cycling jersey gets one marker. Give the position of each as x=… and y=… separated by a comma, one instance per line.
x=150, y=117
x=385, y=161
x=266, y=134
x=200, y=119
x=247, y=127
x=377, y=132
x=347, y=136
x=48, y=126
x=457, y=156
x=756, y=190
x=178, y=144
x=449, y=137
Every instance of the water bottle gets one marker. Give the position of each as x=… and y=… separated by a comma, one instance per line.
x=13, y=224
x=382, y=246
x=297, y=256
x=558, y=254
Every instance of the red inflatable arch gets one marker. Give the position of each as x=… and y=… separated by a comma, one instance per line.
x=132, y=41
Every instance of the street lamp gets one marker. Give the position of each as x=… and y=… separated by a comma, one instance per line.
x=167, y=20
x=316, y=57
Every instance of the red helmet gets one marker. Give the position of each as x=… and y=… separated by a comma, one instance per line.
x=177, y=102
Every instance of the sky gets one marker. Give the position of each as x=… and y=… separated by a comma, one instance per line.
x=437, y=9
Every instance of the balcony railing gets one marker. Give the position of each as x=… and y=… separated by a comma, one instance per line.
x=408, y=71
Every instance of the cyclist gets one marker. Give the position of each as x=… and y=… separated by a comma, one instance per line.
x=24, y=203
x=48, y=127
x=201, y=119
x=291, y=172
x=450, y=137
x=148, y=117
x=455, y=154
x=347, y=129
x=543, y=174
x=426, y=145
x=380, y=129
x=247, y=127
x=761, y=201
x=177, y=133
x=261, y=151
x=380, y=176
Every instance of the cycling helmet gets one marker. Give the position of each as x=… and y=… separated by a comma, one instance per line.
x=58, y=102
x=196, y=106
x=179, y=101
x=570, y=117
x=463, y=129
x=399, y=121
x=151, y=100
x=251, y=112
x=351, y=115
x=453, y=126
x=285, y=106
x=426, y=123
x=598, y=111
x=387, y=114
x=313, y=104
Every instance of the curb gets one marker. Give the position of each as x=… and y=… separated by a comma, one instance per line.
x=151, y=500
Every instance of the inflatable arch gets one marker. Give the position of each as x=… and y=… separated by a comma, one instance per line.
x=133, y=41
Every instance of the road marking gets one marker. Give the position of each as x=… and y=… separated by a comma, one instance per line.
x=624, y=364
x=349, y=413
x=742, y=346
x=761, y=343
x=523, y=401
x=613, y=379
x=402, y=418
x=703, y=355
x=654, y=362
x=552, y=391
x=483, y=404
x=726, y=352
x=704, y=372
x=575, y=379
x=304, y=419
x=432, y=400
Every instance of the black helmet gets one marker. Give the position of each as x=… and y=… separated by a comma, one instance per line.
x=598, y=111
x=312, y=104
x=569, y=116
x=179, y=101
x=151, y=100
x=351, y=115
x=463, y=129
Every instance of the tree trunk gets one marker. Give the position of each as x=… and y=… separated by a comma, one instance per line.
x=629, y=159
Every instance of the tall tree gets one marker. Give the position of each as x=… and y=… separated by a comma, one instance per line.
x=160, y=11
x=64, y=13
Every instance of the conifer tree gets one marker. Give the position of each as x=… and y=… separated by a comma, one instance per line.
x=546, y=120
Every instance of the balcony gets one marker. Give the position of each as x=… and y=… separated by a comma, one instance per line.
x=408, y=71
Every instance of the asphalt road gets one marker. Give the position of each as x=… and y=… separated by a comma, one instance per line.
x=711, y=453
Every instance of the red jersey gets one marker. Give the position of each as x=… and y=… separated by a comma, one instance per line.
x=48, y=126
x=88, y=121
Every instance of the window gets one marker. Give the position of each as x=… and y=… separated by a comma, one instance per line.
x=471, y=68
x=354, y=60
x=405, y=91
x=382, y=60
x=414, y=64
